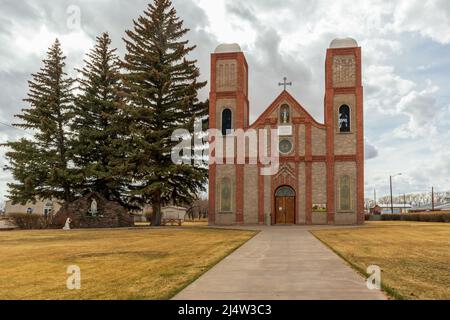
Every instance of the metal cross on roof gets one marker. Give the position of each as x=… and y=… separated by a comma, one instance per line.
x=285, y=83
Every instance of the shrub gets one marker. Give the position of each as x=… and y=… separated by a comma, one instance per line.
x=391, y=217
x=421, y=217
x=373, y=217
x=30, y=221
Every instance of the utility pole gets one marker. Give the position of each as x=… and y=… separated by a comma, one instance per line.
x=404, y=201
x=432, y=199
x=392, y=200
x=375, y=196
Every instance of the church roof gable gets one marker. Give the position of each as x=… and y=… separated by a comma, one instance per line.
x=285, y=97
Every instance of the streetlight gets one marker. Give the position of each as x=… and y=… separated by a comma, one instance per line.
x=390, y=179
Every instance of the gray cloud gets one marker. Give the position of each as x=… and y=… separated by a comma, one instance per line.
x=290, y=39
x=268, y=65
x=371, y=152
x=25, y=19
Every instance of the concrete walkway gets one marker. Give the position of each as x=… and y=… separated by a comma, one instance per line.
x=281, y=263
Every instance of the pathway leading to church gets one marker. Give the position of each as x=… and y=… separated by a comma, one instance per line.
x=281, y=263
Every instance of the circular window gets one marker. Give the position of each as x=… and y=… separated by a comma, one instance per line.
x=285, y=146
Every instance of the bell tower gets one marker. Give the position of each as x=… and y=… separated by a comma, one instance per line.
x=228, y=111
x=229, y=88
x=344, y=120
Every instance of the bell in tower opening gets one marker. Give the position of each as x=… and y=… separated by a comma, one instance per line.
x=344, y=118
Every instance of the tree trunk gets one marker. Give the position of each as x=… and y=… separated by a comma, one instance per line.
x=157, y=214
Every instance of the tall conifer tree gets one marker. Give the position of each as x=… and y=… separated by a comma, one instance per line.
x=160, y=92
x=97, y=127
x=40, y=165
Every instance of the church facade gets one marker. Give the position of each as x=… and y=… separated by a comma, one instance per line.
x=320, y=176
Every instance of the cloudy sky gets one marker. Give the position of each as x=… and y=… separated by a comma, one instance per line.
x=406, y=52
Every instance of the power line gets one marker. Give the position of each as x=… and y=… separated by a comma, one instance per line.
x=12, y=127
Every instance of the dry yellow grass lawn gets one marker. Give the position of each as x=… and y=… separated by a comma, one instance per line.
x=186, y=223
x=115, y=264
x=414, y=256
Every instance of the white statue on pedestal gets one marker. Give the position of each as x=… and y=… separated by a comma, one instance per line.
x=67, y=225
x=94, y=209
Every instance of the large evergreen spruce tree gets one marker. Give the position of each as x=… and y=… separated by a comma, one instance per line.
x=98, y=130
x=160, y=92
x=40, y=166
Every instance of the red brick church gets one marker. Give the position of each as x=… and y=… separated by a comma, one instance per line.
x=320, y=178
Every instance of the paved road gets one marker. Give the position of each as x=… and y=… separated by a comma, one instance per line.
x=281, y=263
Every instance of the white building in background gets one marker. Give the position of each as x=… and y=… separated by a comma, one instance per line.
x=387, y=209
x=45, y=207
x=168, y=212
x=398, y=208
x=2, y=208
x=174, y=212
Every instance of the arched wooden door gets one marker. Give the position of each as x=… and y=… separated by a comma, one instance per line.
x=285, y=205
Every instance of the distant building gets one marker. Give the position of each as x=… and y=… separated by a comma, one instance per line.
x=41, y=207
x=428, y=207
x=168, y=212
x=173, y=212
x=376, y=210
x=387, y=209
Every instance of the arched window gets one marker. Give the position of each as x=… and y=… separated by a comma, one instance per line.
x=227, y=118
x=285, y=192
x=345, y=194
x=225, y=195
x=344, y=118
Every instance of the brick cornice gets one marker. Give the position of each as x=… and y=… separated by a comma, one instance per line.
x=351, y=90
x=342, y=51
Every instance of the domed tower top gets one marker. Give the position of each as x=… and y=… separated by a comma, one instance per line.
x=343, y=43
x=228, y=48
